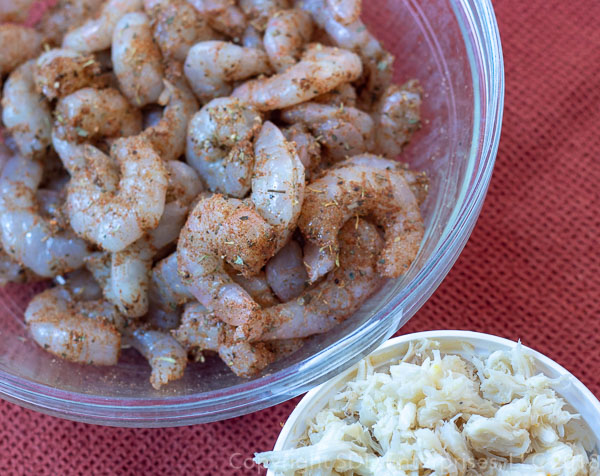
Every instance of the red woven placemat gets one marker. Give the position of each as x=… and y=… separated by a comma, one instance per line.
x=530, y=270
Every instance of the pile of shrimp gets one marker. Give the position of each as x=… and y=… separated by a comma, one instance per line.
x=201, y=176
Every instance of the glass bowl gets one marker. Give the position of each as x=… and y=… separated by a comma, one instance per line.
x=578, y=397
x=453, y=47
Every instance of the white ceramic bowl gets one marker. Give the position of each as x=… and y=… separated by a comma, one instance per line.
x=573, y=391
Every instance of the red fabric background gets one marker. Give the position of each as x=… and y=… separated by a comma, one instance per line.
x=530, y=270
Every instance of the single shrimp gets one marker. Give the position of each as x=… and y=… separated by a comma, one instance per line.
x=398, y=117
x=26, y=113
x=286, y=274
x=167, y=289
x=224, y=229
x=177, y=26
x=285, y=35
x=261, y=11
x=136, y=58
x=18, y=44
x=164, y=354
x=96, y=33
x=223, y=16
x=14, y=11
x=220, y=145
x=320, y=70
x=113, y=211
x=343, y=131
x=27, y=236
x=168, y=135
x=89, y=114
x=356, y=190
x=83, y=332
x=200, y=329
x=211, y=67
x=61, y=72
x=278, y=182
x=307, y=147
x=345, y=12
x=378, y=63
x=330, y=302
x=65, y=15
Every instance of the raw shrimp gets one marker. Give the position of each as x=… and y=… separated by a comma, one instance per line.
x=28, y=237
x=137, y=61
x=317, y=261
x=83, y=332
x=15, y=11
x=222, y=15
x=61, y=72
x=330, y=302
x=11, y=271
x=285, y=35
x=18, y=43
x=356, y=37
x=26, y=113
x=89, y=114
x=252, y=38
x=168, y=135
x=82, y=285
x=344, y=95
x=260, y=11
x=278, y=182
x=353, y=190
x=200, y=329
x=220, y=145
x=224, y=229
x=167, y=290
x=97, y=33
x=164, y=354
x=177, y=26
x=345, y=11
x=307, y=147
x=286, y=273
x=320, y=70
x=114, y=212
x=256, y=286
x=398, y=116
x=343, y=131
x=211, y=66
x=64, y=16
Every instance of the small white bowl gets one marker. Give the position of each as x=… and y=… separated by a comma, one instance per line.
x=574, y=392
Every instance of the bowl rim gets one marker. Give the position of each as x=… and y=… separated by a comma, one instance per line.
x=482, y=41
x=443, y=335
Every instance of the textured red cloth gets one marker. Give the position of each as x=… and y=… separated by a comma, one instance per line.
x=530, y=270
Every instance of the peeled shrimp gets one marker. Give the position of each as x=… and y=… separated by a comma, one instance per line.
x=113, y=211
x=97, y=33
x=252, y=38
x=15, y=11
x=343, y=131
x=220, y=145
x=200, y=329
x=211, y=66
x=286, y=273
x=18, y=43
x=256, y=286
x=11, y=271
x=83, y=287
x=260, y=11
x=330, y=302
x=307, y=147
x=60, y=72
x=137, y=61
x=345, y=11
x=90, y=114
x=83, y=332
x=64, y=16
x=27, y=236
x=398, y=116
x=26, y=114
x=353, y=190
x=344, y=95
x=177, y=26
x=222, y=15
x=286, y=33
x=168, y=135
x=320, y=70
x=164, y=354
x=229, y=229
x=167, y=290
x=278, y=182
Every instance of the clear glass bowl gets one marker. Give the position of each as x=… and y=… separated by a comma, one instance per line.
x=453, y=47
